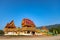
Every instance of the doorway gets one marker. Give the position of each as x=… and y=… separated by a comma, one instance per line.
x=33, y=32
x=28, y=32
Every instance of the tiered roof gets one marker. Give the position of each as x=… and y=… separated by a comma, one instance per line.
x=28, y=23
x=10, y=25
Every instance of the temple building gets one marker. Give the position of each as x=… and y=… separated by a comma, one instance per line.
x=28, y=28
x=10, y=29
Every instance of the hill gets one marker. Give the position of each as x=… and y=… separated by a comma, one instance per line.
x=52, y=28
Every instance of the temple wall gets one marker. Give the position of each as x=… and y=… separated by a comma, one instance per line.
x=14, y=33
x=38, y=33
x=22, y=33
x=11, y=33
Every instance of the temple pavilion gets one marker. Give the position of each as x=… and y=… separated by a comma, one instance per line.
x=28, y=28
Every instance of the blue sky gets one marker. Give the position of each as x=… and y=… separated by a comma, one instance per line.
x=41, y=12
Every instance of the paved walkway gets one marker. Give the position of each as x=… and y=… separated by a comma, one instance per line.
x=31, y=38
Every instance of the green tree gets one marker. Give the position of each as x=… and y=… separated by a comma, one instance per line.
x=1, y=32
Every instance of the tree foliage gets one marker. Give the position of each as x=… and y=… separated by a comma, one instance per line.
x=1, y=32
x=55, y=29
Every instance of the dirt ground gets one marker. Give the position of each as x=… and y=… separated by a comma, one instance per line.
x=30, y=38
